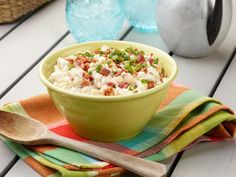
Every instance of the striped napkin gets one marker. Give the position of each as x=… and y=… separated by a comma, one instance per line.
x=184, y=118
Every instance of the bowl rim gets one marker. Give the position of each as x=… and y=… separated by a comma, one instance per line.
x=49, y=85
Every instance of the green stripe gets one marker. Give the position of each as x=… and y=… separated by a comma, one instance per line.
x=68, y=156
x=15, y=108
x=53, y=159
x=167, y=119
x=189, y=136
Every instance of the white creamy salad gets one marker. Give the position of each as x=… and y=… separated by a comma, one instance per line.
x=108, y=71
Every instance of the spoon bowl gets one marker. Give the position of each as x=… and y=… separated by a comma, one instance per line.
x=24, y=130
x=21, y=129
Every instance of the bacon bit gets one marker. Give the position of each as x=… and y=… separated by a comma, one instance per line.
x=87, y=76
x=109, y=91
x=105, y=72
x=110, y=84
x=118, y=66
x=78, y=62
x=70, y=60
x=86, y=66
x=144, y=70
x=85, y=83
x=141, y=58
x=96, y=51
x=123, y=85
x=118, y=73
x=81, y=60
x=72, y=79
x=150, y=84
x=151, y=60
x=91, y=78
x=93, y=61
x=161, y=77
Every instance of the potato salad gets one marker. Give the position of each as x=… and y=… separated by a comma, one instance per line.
x=108, y=71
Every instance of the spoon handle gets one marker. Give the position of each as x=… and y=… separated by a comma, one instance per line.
x=134, y=164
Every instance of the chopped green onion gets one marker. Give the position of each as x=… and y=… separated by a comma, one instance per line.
x=142, y=52
x=129, y=67
x=144, y=81
x=118, y=53
x=110, y=56
x=90, y=72
x=156, y=60
x=131, y=70
x=114, y=57
x=131, y=87
x=127, y=64
x=136, y=52
x=126, y=57
x=138, y=67
x=133, y=60
x=70, y=66
x=88, y=54
x=129, y=50
x=162, y=71
x=109, y=62
x=101, y=53
x=98, y=68
x=144, y=64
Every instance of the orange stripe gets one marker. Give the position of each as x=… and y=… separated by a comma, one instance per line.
x=41, y=108
x=178, y=132
x=43, y=148
x=173, y=92
x=104, y=172
x=41, y=169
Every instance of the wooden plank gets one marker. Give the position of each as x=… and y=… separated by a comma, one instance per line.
x=29, y=41
x=215, y=159
x=4, y=28
x=207, y=160
x=17, y=170
x=6, y=156
x=22, y=90
x=201, y=74
x=226, y=92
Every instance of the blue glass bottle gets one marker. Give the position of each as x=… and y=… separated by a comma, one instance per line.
x=141, y=14
x=90, y=20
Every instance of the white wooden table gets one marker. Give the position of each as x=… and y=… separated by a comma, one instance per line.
x=24, y=43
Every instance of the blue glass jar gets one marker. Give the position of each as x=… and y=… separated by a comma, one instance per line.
x=141, y=14
x=90, y=20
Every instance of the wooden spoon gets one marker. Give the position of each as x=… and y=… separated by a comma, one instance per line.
x=28, y=131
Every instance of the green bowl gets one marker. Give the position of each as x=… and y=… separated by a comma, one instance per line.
x=107, y=118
